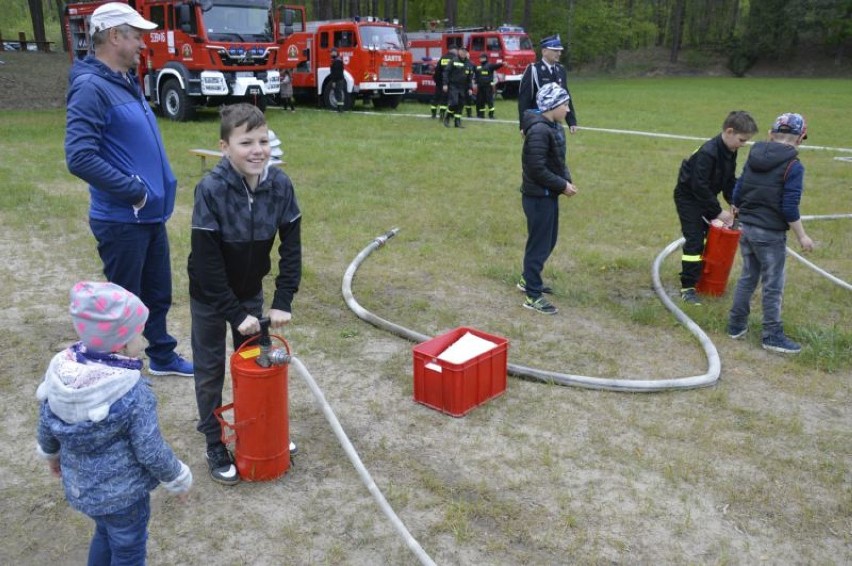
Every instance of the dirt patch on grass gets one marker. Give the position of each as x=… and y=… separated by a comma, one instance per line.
x=33, y=80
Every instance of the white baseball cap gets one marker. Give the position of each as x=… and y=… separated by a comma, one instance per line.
x=114, y=14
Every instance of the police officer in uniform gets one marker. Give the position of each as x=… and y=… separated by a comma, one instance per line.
x=544, y=71
x=458, y=84
x=485, y=86
x=439, y=100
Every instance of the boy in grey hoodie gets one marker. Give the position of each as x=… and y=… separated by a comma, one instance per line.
x=767, y=198
x=98, y=426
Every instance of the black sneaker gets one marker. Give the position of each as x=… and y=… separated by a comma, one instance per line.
x=541, y=305
x=690, y=297
x=780, y=343
x=522, y=286
x=737, y=332
x=221, y=464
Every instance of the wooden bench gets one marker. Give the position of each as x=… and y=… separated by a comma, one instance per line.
x=205, y=153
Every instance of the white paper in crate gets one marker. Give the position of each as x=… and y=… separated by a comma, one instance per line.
x=466, y=348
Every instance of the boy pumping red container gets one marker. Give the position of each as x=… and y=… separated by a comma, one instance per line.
x=706, y=173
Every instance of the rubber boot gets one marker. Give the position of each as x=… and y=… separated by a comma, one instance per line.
x=458, y=123
x=434, y=113
x=480, y=114
x=491, y=114
x=443, y=113
x=446, y=119
x=469, y=112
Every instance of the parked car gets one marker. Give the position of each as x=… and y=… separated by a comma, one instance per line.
x=16, y=46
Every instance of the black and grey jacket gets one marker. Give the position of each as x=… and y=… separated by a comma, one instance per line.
x=233, y=230
x=543, y=159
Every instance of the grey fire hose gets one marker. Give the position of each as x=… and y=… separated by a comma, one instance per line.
x=637, y=385
x=710, y=377
x=359, y=465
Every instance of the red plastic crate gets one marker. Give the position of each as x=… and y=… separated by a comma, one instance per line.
x=458, y=388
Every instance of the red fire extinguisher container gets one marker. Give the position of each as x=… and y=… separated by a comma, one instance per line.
x=260, y=429
x=719, y=253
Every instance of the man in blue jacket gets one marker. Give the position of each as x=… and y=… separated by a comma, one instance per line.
x=113, y=143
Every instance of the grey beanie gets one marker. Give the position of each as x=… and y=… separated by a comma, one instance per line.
x=105, y=315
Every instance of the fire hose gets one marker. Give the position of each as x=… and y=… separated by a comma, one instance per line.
x=410, y=541
x=710, y=377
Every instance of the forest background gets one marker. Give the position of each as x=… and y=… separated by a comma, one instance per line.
x=742, y=32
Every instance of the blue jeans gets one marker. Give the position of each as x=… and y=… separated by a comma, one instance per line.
x=120, y=538
x=136, y=256
x=764, y=255
x=542, y=231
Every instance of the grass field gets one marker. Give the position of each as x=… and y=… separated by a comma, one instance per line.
x=753, y=470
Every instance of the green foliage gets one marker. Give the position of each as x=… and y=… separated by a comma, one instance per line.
x=15, y=17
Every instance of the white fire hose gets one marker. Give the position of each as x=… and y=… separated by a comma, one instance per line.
x=710, y=377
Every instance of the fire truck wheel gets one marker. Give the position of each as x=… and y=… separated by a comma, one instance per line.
x=510, y=91
x=329, y=98
x=175, y=103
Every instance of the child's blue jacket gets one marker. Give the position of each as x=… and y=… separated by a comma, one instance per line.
x=102, y=422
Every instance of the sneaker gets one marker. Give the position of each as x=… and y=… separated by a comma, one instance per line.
x=541, y=305
x=522, y=286
x=293, y=449
x=737, y=332
x=690, y=297
x=782, y=344
x=221, y=464
x=179, y=366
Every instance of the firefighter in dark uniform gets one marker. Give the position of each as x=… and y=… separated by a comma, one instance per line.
x=469, y=99
x=338, y=80
x=485, y=86
x=458, y=83
x=439, y=100
x=546, y=70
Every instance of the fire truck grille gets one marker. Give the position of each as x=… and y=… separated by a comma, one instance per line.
x=390, y=73
x=244, y=62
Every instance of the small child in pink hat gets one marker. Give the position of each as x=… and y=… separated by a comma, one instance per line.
x=98, y=427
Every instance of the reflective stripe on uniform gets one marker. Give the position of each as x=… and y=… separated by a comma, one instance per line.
x=690, y=258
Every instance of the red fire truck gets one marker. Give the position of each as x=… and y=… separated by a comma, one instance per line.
x=377, y=65
x=203, y=52
x=506, y=44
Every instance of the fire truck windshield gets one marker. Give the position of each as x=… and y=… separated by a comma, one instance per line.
x=239, y=20
x=517, y=43
x=382, y=37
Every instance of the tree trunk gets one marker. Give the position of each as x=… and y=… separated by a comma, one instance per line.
x=37, y=15
x=451, y=11
x=60, y=10
x=527, y=21
x=508, y=10
x=677, y=29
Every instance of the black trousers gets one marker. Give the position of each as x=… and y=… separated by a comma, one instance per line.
x=542, y=230
x=208, y=356
x=694, y=230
